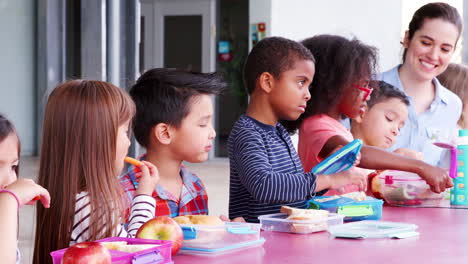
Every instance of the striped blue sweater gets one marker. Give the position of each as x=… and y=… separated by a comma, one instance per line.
x=266, y=171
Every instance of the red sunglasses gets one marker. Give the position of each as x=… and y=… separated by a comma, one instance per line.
x=366, y=89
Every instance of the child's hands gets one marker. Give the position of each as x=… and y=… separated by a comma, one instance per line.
x=354, y=175
x=28, y=192
x=358, y=159
x=149, y=178
x=436, y=177
x=237, y=219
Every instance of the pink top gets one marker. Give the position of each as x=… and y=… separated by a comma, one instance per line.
x=314, y=132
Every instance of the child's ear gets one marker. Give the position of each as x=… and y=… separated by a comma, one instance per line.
x=163, y=133
x=265, y=81
x=361, y=115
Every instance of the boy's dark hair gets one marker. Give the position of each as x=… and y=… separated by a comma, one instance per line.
x=436, y=10
x=163, y=96
x=384, y=91
x=274, y=55
x=339, y=64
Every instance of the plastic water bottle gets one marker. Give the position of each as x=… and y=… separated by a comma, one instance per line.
x=459, y=193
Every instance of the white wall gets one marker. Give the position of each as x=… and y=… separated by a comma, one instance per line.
x=377, y=23
x=260, y=11
x=17, y=68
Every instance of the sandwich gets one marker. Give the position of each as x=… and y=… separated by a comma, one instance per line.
x=306, y=220
x=209, y=229
x=124, y=247
x=198, y=220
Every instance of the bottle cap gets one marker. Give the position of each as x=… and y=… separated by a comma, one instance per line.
x=463, y=132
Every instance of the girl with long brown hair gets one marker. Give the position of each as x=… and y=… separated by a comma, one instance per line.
x=84, y=144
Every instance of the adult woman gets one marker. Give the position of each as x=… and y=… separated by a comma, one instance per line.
x=429, y=43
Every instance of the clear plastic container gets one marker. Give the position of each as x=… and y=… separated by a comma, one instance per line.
x=160, y=253
x=401, y=188
x=279, y=223
x=217, y=251
x=373, y=229
x=369, y=209
x=230, y=235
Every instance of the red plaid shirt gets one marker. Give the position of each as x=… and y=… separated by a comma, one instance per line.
x=193, y=198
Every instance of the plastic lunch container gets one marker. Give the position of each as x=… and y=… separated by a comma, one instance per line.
x=374, y=229
x=216, y=240
x=160, y=254
x=279, y=223
x=400, y=188
x=368, y=209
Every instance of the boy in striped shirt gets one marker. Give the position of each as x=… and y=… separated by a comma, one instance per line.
x=265, y=170
x=173, y=122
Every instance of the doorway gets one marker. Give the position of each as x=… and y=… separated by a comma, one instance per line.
x=178, y=34
x=183, y=34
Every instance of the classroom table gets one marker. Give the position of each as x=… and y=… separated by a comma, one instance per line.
x=443, y=239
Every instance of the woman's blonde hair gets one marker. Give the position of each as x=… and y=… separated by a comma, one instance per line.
x=455, y=78
x=78, y=154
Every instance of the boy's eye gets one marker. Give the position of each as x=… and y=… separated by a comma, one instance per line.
x=14, y=167
x=388, y=119
x=301, y=83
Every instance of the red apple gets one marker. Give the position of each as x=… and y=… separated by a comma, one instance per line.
x=163, y=228
x=87, y=252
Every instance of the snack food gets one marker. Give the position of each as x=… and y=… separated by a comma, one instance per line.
x=210, y=231
x=114, y=245
x=375, y=186
x=133, y=161
x=134, y=248
x=198, y=220
x=357, y=196
x=125, y=247
x=306, y=215
x=402, y=188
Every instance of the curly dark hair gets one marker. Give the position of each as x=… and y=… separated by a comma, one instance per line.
x=339, y=63
x=383, y=91
x=163, y=96
x=274, y=55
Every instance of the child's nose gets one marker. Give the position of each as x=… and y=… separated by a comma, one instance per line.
x=212, y=134
x=307, y=95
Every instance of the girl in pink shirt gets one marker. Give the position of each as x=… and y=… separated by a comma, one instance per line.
x=340, y=89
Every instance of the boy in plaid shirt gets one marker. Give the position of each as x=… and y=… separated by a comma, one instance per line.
x=174, y=123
